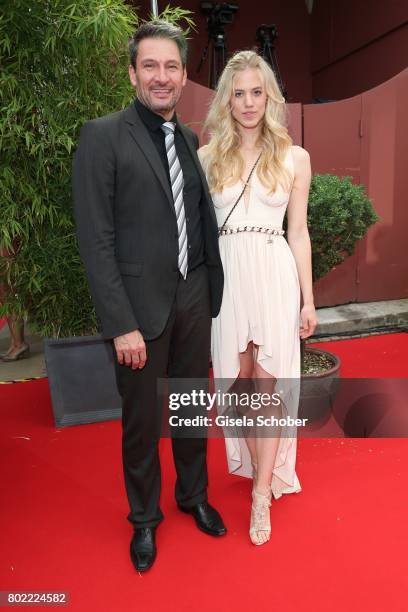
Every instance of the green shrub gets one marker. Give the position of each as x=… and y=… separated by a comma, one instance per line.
x=339, y=215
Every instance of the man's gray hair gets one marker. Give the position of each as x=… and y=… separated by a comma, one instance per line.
x=158, y=29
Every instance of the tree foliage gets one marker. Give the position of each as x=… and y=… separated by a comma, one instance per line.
x=62, y=62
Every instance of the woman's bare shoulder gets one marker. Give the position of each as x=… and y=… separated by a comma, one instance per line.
x=202, y=152
x=300, y=154
x=301, y=162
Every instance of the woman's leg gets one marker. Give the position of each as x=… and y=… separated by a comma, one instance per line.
x=11, y=345
x=266, y=447
x=246, y=361
x=262, y=449
x=16, y=327
x=3, y=295
x=18, y=346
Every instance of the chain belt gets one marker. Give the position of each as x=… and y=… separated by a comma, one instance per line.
x=275, y=231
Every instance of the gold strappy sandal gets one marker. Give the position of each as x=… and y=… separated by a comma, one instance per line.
x=260, y=516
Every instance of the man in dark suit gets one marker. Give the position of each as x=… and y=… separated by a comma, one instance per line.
x=148, y=238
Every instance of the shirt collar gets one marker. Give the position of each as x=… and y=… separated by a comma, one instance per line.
x=150, y=119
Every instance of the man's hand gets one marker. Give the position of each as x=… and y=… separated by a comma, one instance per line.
x=131, y=349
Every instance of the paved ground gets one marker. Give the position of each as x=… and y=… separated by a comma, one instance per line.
x=351, y=320
x=29, y=367
x=365, y=317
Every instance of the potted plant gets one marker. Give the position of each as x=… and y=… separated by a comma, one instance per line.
x=61, y=63
x=339, y=215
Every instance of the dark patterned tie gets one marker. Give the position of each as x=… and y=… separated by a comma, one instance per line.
x=177, y=184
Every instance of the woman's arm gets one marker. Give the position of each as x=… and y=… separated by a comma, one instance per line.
x=298, y=237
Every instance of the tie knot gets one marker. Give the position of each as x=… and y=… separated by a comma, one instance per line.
x=168, y=127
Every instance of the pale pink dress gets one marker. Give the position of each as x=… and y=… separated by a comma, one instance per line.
x=261, y=302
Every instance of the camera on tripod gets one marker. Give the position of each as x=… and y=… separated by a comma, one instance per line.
x=219, y=14
x=266, y=36
x=266, y=33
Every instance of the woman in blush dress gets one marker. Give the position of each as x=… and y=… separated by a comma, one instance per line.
x=255, y=175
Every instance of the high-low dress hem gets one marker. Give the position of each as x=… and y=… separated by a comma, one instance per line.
x=261, y=303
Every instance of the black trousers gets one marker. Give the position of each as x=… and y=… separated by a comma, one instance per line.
x=181, y=351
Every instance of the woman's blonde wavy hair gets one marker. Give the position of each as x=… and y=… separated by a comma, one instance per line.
x=223, y=161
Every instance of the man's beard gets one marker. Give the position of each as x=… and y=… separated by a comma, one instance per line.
x=158, y=106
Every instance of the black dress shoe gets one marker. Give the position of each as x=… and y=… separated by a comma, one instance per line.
x=207, y=518
x=143, y=548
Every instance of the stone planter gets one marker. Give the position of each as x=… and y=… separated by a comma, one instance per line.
x=318, y=391
x=82, y=381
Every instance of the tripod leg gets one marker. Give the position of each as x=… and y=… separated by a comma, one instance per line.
x=212, y=78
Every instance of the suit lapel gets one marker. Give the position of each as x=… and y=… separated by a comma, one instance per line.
x=141, y=136
x=191, y=147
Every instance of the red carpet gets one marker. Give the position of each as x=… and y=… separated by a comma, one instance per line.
x=372, y=357
x=339, y=544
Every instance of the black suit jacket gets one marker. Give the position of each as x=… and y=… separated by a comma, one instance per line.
x=126, y=225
